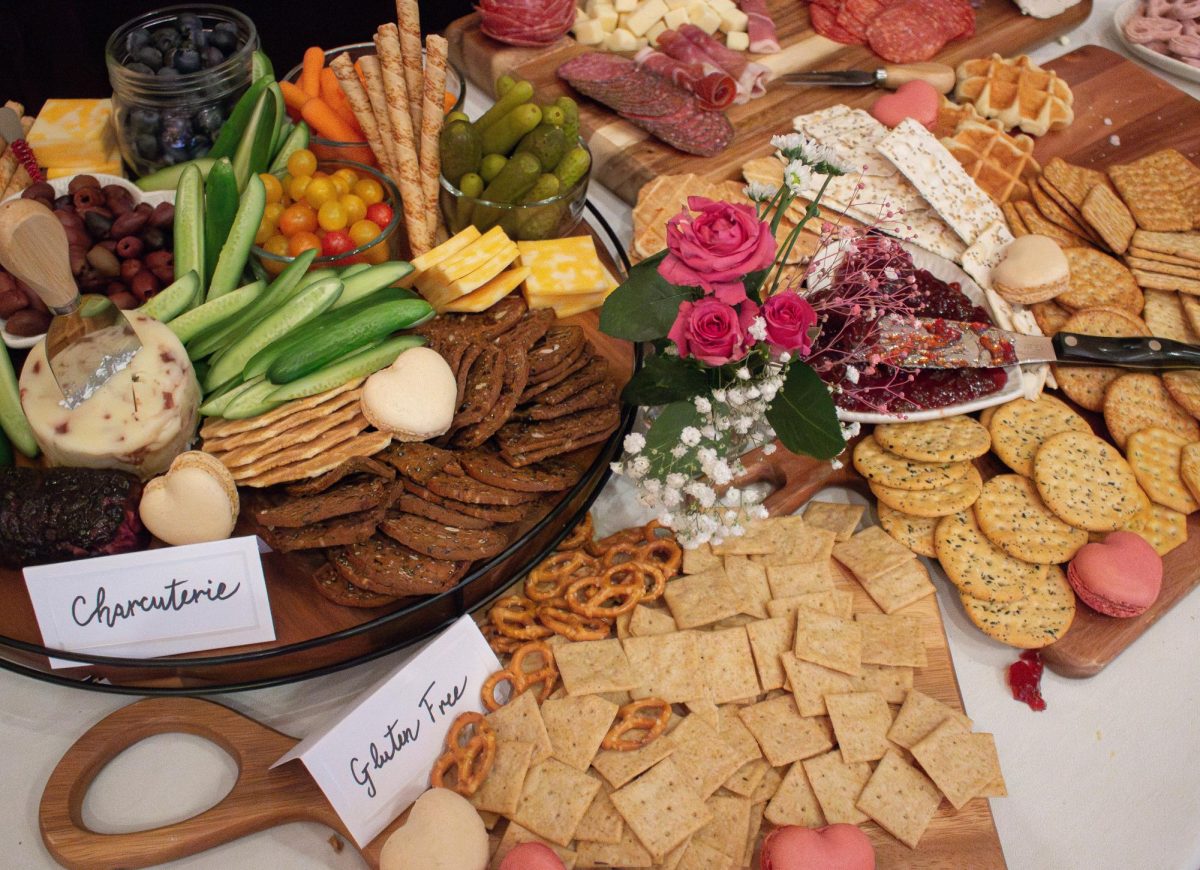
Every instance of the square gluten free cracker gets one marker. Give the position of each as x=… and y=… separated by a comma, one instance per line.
x=661, y=808
x=646, y=621
x=620, y=767
x=756, y=817
x=601, y=823
x=733, y=731
x=782, y=733
x=899, y=587
x=961, y=763
x=706, y=710
x=747, y=777
x=787, y=581
x=837, y=786
x=628, y=851
x=900, y=799
x=726, y=833
x=828, y=640
x=770, y=639
x=892, y=640
x=748, y=585
x=835, y=602
x=667, y=666
x=728, y=665
x=893, y=683
x=918, y=716
x=795, y=802
x=770, y=783
x=798, y=542
x=700, y=599
x=871, y=552
x=860, y=721
x=593, y=666
x=501, y=789
x=554, y=799
x=760, y=537
x=700, y=559
x=841, y=519
x=521, y=720
x=812, y=682
x=576, y=725
x=702, y=756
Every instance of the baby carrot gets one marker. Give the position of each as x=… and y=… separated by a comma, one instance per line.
x=448, y=101
x=294, y=98
x=310, y=75
x=331, y=93
x=326, y=123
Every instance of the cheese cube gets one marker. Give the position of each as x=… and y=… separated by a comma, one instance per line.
x=732, y=20
x=676, y=4
x=676, y=18
x=72, y=133
x=564, y=267
x=589, y=32
x=607, y=16
x=653, y=32
x=432, y=257
x=721, y=5
x=703, y=16
x=737, y=41
x=591, y=6
x=640, y=43
x=620, y=40
x=626, y=5
x=490, y=293
x=646, y=16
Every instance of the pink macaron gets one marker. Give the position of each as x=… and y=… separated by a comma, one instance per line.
x=917, y=99
x=1121, y=576
x=531, y=856
x=833, y=847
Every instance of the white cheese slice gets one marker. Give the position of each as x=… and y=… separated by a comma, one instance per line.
x=607, y=16
x=1045, y=8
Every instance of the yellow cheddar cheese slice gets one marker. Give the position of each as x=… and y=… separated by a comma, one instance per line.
x=565, y=267
x=446, y=249
x=72, y=133
x=490, y=293
x=490, y=244
x=439, y=295
x=566, y=305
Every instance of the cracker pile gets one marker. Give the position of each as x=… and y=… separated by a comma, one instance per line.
x=778, y=683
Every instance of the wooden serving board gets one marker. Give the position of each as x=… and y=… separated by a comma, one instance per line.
x=625, y=157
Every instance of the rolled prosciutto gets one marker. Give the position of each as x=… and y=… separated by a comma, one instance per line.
x=715, y=90
x=751, y=77
x=760, y=26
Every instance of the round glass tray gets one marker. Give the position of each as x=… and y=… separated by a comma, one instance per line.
x=315, y=636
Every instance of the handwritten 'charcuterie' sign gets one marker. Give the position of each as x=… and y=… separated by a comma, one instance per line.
x=374, y=760
x=153, y=603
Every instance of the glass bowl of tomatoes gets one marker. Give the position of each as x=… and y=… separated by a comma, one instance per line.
x=346, y=210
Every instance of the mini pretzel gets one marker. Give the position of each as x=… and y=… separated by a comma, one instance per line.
x=471, y=761
x=544, y=677
x=500, y=644
x=571, y=625
x=618, y=553
x=649, y=716
x=580, y=536
x=650, y=532
x=667, y=554
x=625, y=536
x=616, y=591
x=654, y=579
x=514, y=616
x=551, y=578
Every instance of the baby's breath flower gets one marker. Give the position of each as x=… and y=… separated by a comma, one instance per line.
x=679, y=451
x=634, y=442
x=769, y=448
x=703, y=405
x=758, y=329
x=690, y=436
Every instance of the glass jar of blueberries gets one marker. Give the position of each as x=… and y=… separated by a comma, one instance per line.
x=176, y=74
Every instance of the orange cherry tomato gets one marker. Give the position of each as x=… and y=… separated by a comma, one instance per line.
x=332, y=215
x=266, y=229
x=369, y=190
x=297, y=185
x=273, y=211
x=356, y=209
x=301, y=242
x=302, y=162
x=364, y=231
x=273, y=185
x=297, y=218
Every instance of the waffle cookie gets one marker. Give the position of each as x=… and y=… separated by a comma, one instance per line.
x=1000, y=163
x=1017, y=92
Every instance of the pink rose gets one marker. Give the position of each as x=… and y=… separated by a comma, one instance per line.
x=712, y=331
x=789, y=317
x=716, y=248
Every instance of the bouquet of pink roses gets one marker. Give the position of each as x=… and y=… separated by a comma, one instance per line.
x=728, y=373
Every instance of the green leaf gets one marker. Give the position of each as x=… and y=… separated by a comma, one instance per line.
x=663, y=379
x=753, y=284
x=645, y=306
x=803, y=415
x=664, y=436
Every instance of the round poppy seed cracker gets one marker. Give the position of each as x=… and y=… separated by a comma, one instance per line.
x=950, y=439
x=881, y=466
x=914, y=532
x=1138, y=400
x=1098, y=279
x=1085, y=385
x=1087, y=482
x=940, y=502
x=1019, y=428
x=1156, y=455
x=1050, y=316
x=1037, y=620
x=1184, y=387
x=977, y=566
x=1162, y=528
x=1013, y=517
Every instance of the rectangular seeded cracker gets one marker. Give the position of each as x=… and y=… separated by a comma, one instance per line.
x=661, y=808
x=892, y=682
x=601, y=823
x=648, y=621
x=960, y=763
x=795, y=802
x=788, y=581
x=521, y=720
x=576, y=725
x=860, y=721
x=837, y=786
x=747, y=777
x=667, y=666
x=501, y=789
x=619, y=768
x=727, y=665
x=726, y=833
x=899, y=587
x=515, y=835
x=892, y=640
x=769, y=639
x=593, y=666
x=871, y=552
x=702, y=756
x=841, y=519
x=828, y=640
x=835, y=602
x=626, y=852
x=784, y=735
x=900, y=799
x=918, y=716
x=700, y=599
x=812, y=682
x=733, y=731
x=554, y=799
x=748, y=587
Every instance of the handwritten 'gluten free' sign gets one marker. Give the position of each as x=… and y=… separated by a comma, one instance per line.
x=154, y=603
x=374, y=760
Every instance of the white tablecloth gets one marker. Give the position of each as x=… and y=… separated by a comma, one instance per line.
x=1107, y=777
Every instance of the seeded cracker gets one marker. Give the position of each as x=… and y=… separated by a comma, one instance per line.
x=1163, y=528
x=1098, y=279
x=703, y=758
x=520, y=720
x=900, y=798
x=901, y=586
x=1012, y=515
x=700, y=560
x=837, y=786
x=835, y=602
x=860, y=721
x=726, y=833
x=769, y=639
x=978, y=567
x=919, y=715
x=1139, y=399
x=914, y=532
x=747, y=582
x=949, y=439
x=1019, y=428
x=882, y=466
x=811, y=683
x=1085, y=385
x=700, y=599
x=727, y=665
x=668, y=666
x=947, y=500
x=1050, y=316
x=841, y=519
x=747, y=778
x=1035, y=621
x=501, y=788
x=1155, y=455
x=595, y=666
x=795, y=803
x=871, y=552
x=733, y=731
x=661, y=809
x=601, y=823
x=576, y=726
x=960, y=763
x=784, y=735
x=892, y=640
x=787, y=581
x=649, y=621
x=554, y=799
x=620, y=767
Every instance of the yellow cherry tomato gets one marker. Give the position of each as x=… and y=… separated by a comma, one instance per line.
x=273, y=186
x=266, y=229
x=348, y=175
x=356, y=209
x=369, y=190
x=272, y=212
x=332, y=215
x=319, y=192
x=339, y=184
x=297, y=186
x=364, y=231
x=302, y=162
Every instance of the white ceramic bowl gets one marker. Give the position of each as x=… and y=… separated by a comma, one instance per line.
x=1176, y=67
x=19, y=342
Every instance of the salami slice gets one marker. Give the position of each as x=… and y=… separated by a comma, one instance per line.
x=956, y=17
x=824, y=22
x=902, y=34
x=691, y=130
x=854, y=18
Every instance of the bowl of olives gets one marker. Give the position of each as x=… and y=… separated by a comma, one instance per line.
x=176, y=74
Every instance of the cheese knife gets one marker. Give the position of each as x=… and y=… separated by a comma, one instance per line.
x=891, y=77
x=929, y=343
x=89, y=339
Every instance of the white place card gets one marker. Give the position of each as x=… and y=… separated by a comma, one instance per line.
x=154, y=603
x=374, y=760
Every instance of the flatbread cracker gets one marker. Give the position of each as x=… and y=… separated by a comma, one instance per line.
x=812, y=682
x=619, y=768
x=700, y=560
x=828, y=640
x=700, y=599
x=218, y=428
x=900, y=799
x=795, y=802
x=592, y=666
x=727, y=665
x=901, y=586
x=769, y=640
x=918, y=716
x=520, y=721
x=704, y=759
x=601, y=823
x=554, y=799
x=860, y=722
x=960, y=763
x=501, y=789
x=575, y=726
x=747, y=584
x=366, y=444
x=668, y=666
x=787, y=581
x=648, y=621
x=841, y=519
x=515, y=834
x=837, y=786
x=626, y=852
x=726, y=833
x=871, y=552
x=892, y=640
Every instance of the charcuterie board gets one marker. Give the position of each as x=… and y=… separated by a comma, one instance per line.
x=625, y=157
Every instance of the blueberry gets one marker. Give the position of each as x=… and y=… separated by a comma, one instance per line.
x=187, y=61
x=165, y=38
x=146, y=145
x=226, y=25
x=168, y=72
x=211, y=56
x=150, y=56
x=136, y=39
x=198, y=39
x=145, y=120
x=199, y=146
x=223, y=40
x=209, y=119
x=139, y=68
x=187, y=21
